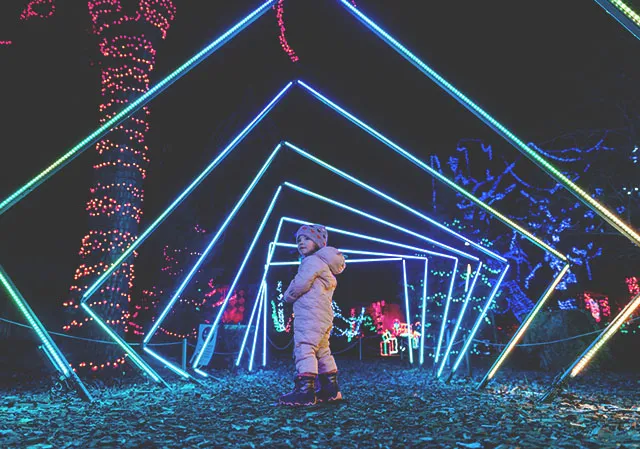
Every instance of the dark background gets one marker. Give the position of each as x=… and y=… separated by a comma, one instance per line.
x=542, y=68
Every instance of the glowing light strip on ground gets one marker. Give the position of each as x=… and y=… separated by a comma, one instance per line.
x=262, y=304
x=202, y=373
x=459, y=321
x=168, y=364
x=445, y=316
x=196, y=362
x=133, y=107
x=48, y=344
x=49, y=347
x=210, y=246
x=610, y=330
x=533, y=155
x=584, y=359
x=478, y=322
x=523, y=328
x=406, y=308
x=424, y=310
x=626, y=16
x=139, y=362
x=262, y=286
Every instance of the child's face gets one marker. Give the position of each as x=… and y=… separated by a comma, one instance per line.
x=306, y=246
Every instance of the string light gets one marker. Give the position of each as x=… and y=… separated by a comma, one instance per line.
x=282, y=38
x=279, y=7
x=598, y=305
x=115, y=205
x=567, y=304
x=633, y=287
x=197, y=303
x=41, y=9
x=6, y=43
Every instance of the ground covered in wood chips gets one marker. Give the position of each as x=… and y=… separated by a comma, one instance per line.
x=388, y=406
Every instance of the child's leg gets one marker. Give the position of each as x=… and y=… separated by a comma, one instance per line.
x=328, y=390
x=326, y=362
x=304, y=392
x=305, y=356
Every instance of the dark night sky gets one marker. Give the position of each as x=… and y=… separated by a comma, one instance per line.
x=542, y=68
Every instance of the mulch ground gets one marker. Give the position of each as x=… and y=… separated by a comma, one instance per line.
x=387, y=406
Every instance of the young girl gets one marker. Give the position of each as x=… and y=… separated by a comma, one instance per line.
x=311, y=293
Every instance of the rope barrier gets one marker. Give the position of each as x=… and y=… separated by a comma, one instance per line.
x=73, y=337
x=485, y=342
x=524, y=345
x=278, y=347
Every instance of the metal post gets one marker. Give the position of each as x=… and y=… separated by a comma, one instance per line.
x=184, y=354
x=448, y=361
x=360, y=348
x=467, y=360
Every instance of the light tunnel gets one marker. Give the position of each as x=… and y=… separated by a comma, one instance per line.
x=583, y=196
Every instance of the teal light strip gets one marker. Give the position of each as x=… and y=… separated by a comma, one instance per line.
x=424, y=309
x=49, y=347
x=583, y=360
x=135, y=358
x=479, y=321
x=407, y=311
x=265, y=218
x=504, y=354
x=623, y=13
x=458, y=323
x=133, y=107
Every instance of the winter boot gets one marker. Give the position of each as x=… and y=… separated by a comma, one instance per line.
x=304, y=392
x=329, y=390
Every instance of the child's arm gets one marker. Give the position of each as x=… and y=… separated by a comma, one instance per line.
x=301, y=284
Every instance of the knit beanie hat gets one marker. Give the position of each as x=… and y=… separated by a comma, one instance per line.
x=316, y=233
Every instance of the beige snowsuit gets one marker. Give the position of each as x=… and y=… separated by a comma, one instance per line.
x=311, y=293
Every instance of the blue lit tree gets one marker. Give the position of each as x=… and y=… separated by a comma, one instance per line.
x=535, y=200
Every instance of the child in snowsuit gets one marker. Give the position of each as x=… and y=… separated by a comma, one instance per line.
x=311, y=293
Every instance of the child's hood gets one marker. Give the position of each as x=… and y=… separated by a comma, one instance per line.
x=333, y=258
